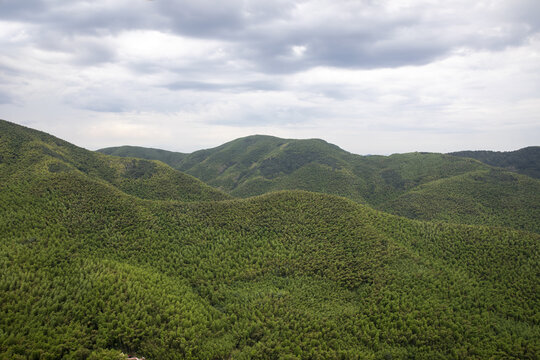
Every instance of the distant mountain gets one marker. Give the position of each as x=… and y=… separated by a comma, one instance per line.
x=484, y=197
x=524, y=161
x=258, y=164
x=168, y=157
x=417, y=185
x=92, y=272
x=36, y=153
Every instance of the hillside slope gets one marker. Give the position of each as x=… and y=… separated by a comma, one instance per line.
x=28, y=153
x=89, y=271
x=486, y=197
x=417, y=185
x=258, y=164
x=171, y=158
x=524, y=161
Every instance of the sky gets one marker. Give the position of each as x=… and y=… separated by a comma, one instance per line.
x=373, y=77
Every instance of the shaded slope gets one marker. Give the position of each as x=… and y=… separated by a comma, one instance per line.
x=29, y=153
x=89, y=271
x=524, y=161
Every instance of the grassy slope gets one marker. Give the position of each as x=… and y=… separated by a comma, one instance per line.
x=142, y=178
x=89, y=271
x=417, y=185
x=524, y=161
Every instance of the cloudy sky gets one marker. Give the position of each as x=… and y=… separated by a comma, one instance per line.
x=374, y=77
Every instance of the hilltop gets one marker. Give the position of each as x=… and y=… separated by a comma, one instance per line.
x=27, y=154
x=171, y=158
x=258, y=164
x=425, y=186
x=91, y=271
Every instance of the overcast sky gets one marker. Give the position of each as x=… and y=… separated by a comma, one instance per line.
x=373, y=77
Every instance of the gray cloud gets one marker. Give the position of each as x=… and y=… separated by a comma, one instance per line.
x=273, y=114
x=225, y=87
x=329, y=66
x=7, y=70
x=99, y=99
x=100, y=104
x=361, y=34
x=81, y=17
x=5, y=98
x=22, y=10
x=203, y=18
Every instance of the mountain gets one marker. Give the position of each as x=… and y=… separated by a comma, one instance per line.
x=168, y=157
x=258, y=164
x=485, y=197
x=425, y=186
x=26, y=154
x=92, y=272
x=524, y=161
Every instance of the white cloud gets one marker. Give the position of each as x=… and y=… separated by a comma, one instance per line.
x=373, y=77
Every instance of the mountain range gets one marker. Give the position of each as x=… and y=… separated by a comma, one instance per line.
x=524, y=161
x=427, y=186
x=103, y=257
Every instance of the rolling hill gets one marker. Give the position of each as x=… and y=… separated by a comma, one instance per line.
x=46, y=155
x=524, y=161
x=425, y=186
x=258, y=164
x=90, y=271
x=168, y=157
x=486, y=197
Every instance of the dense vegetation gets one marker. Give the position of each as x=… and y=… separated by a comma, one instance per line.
x=524, y=161
x=168, y=157
x=27, y=148
x=486, y=197
x=90, y=271
x=417, y=185
x=258, y=164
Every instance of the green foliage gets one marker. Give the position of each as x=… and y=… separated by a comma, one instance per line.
x=90, y=271
x=417, y=185
x=255, y=165
x=524, y=161
x=28, y=153
x=487, y=197
x=168, y=157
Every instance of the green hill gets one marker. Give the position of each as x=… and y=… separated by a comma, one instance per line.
x=524, y=161
x=258, y=164
x=425, y=186
x=89, y=271
x=486, y=197
x=45, y=155
x=168, y=157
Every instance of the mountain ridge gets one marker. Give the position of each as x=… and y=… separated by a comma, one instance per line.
x=141, y=178
x=397, y=183
x=524, y=161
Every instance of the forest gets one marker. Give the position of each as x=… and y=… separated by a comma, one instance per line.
x=105, y=257
x=424, y=186
x=524, y=161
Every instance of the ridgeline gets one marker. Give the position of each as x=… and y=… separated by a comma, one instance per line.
x=426, y=186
